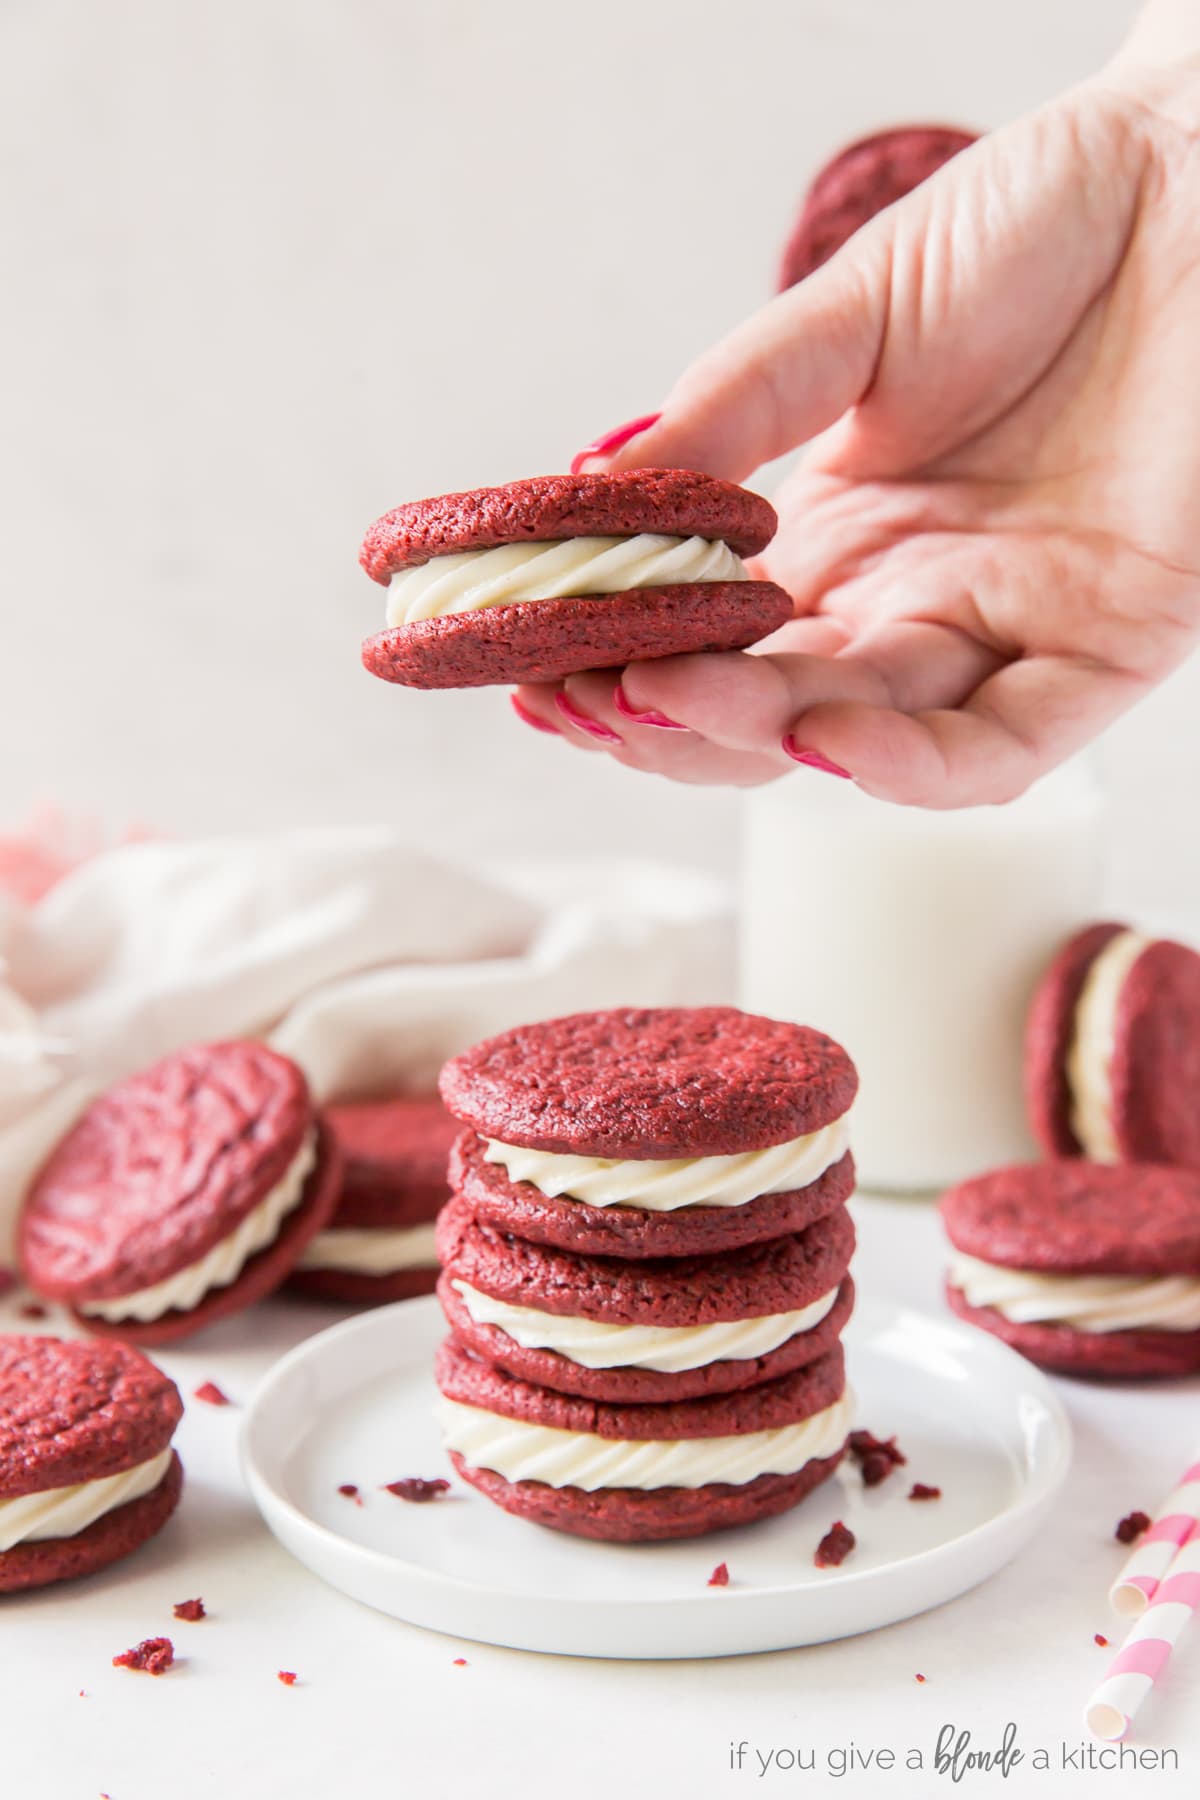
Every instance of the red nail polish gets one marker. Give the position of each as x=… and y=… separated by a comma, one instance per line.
x=812, y=759
x=528, y=718
x=613, y=440
x=582, y=722
x=659, y=720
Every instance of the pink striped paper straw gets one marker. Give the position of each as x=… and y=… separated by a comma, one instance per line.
x=1143, y=1656
x=1174, y=1523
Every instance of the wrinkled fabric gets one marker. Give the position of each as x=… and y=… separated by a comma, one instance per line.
x=366, y=961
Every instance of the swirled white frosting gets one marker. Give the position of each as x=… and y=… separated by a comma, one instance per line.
x=521, y=1451
x=595, y=1344
x=367, y=1251
x=511, y=573
x=1084, y=1302
x=221, y=1265
x=66, y=1511
x=689, y=1181
x=1089, y=1058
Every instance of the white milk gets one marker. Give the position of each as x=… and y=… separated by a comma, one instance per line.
x=916, y=939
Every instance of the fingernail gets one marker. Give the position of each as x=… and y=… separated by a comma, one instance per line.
x=528, y=718
x=659, y=720
x=613, y=440
x=582, y=722
x=812, y=759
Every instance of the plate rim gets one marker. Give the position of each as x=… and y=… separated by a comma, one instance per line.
x=871, y=1313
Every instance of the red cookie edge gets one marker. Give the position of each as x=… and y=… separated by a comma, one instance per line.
x=545, y=640
x=106, y=1540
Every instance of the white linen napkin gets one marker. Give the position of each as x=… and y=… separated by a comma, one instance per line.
x=363, y=959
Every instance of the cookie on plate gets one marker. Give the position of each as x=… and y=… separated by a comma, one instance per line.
x=644, y=1472
x=673, y=1328
x=379, y=1244
x=1112, y=1050
x=858, y=183
x=181, y=1195
x=1091, y=1268
x=640, y=1208
x=87, y=1472
x=560, y=573
x=640, y=1132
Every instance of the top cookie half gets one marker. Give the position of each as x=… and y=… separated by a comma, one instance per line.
x=546, y=577
x=651, y=1083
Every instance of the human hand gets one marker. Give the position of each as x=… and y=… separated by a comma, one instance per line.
x=992, y=540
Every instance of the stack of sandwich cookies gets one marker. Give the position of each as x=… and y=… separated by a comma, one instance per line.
x=87, y=1472
x=1113, y=1050
x=182, y=1195
x=1084, y=1267
x=698, y=1270
x=379, y=1244
x=561, y=573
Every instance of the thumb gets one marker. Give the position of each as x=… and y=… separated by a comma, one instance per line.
x=788, y=372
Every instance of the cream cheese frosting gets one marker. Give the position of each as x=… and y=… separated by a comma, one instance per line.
x=225, y=1261
x=690, y=1181
x=367, y=1251
x=1089, y=1058
x=596, y=1344
x=1097, y=1303
x=522, y=1451
x=66, y=1511
x=470, y=580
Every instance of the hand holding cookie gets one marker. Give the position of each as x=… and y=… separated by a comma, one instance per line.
x=988, y=541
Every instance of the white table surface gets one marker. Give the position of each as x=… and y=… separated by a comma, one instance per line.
x=381, y=1708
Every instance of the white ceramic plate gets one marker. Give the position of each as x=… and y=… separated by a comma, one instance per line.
x=355, y=1404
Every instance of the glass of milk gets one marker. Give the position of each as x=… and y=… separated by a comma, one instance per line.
x=916, y=939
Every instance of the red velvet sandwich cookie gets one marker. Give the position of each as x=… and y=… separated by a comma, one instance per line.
x=626, y=1229
x=379, y=1244
x=1112, y=1050
x=633, y=1473
x=1086, y=1267
x=859, y=182
x=669, y=1329
x=87, y=1472
x=181, y=1195
x=545, y=577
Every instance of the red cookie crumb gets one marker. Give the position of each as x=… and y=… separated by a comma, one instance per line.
x=33, y=1309
x=154, y=1655
x=287, y=1676
x=719, y=1576
x=190, y=1609
x=835, y=1546
x=460, y=1662
x=918, y=1678
x=1132, y=1526
x=1101, y=1640
x=415, y=1487
x=209, y=1392
x=921, y=1490
x=876, y=1468
x=350, y=1490
x=863, y=1445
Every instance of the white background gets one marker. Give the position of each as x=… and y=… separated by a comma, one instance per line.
x=272, y=267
